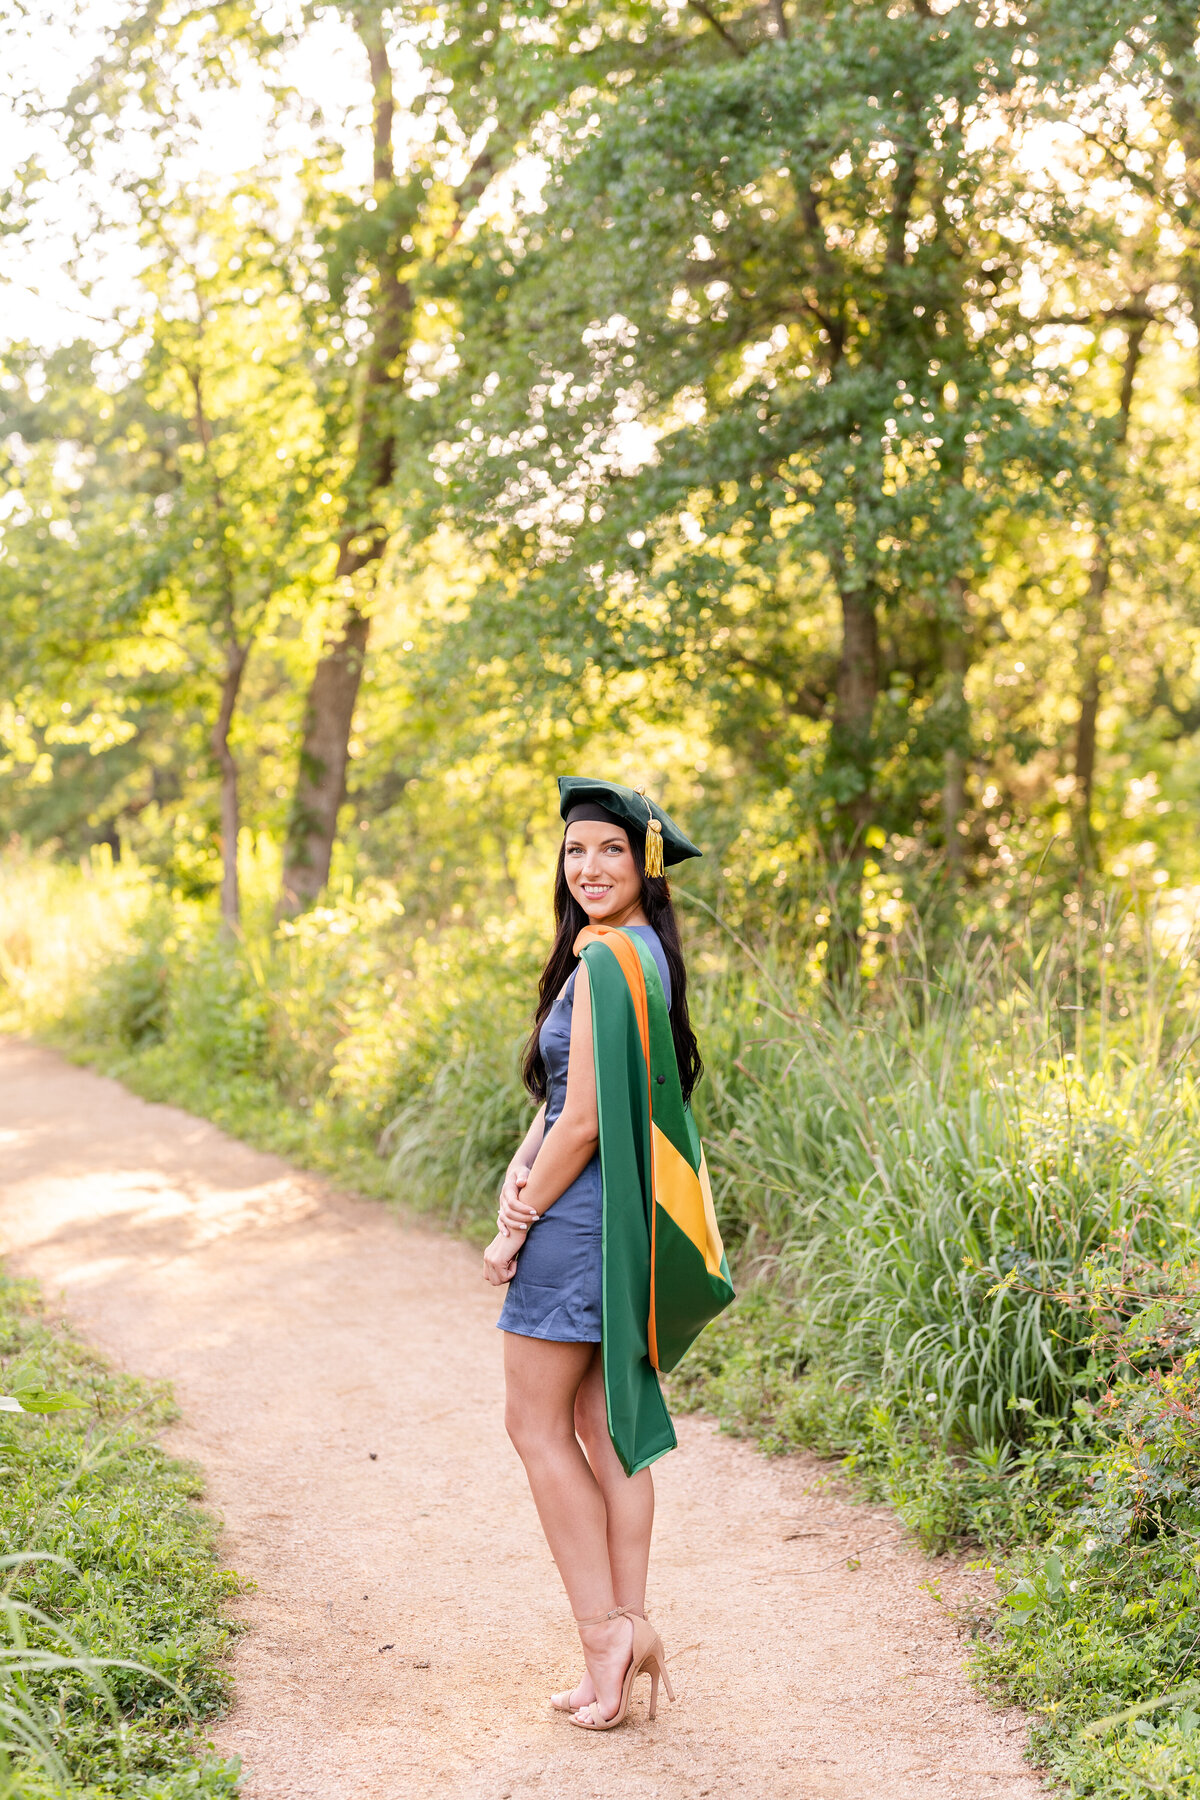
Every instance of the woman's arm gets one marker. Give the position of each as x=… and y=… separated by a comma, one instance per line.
x=531, y=1143
x=513, y=1214
x=569, y=1147
x=573, y=1142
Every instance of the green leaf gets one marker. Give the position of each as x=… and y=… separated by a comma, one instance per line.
x=1054, y=1576
x=39, y=1400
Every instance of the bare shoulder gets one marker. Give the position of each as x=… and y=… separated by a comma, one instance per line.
x=581, y=1015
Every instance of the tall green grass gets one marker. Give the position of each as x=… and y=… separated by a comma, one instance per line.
x=949, y=1199
x=345, y=1037
x=933, y=1171
x=61, y=926
x=113, y=1629
x=922, y=1174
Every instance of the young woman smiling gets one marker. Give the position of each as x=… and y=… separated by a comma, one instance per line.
x=559, y=1201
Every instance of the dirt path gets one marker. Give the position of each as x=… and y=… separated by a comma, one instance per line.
x=340, y=1381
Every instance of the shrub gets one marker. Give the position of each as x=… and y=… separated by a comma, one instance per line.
x=925, y=1191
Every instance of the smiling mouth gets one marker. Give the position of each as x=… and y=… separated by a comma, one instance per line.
x=596, y=893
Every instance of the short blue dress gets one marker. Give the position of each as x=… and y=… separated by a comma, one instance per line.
x=556, y=1291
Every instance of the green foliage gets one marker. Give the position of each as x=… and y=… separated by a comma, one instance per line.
x=808, y=324
x=793, y=407
x=1097, y=1629
x=962, y=1214
x=451, y=1141
x=196, y=489
x=113, y=1630
x=62, y=930
x=937, y=1190
x=340, y=1037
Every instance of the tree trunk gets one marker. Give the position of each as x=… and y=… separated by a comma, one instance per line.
x=329, y=709
x=954, y=778
x=1091, y=650
x=848, y=766
x=321, y=777
x=1093, y=635
x=235, y=667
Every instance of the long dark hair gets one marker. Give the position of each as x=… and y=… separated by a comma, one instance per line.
x=569, y=921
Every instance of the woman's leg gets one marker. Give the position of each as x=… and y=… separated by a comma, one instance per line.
x=541, y=1382
x=628, y=1499
x=628, y=1503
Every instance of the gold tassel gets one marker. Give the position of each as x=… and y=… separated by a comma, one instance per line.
x=654, y=840
x=654, y=848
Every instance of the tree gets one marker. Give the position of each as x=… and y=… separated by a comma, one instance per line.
x=379, y=256
x=1124, y=89
x=186, y=519
x=788, y=267
x=242, y=531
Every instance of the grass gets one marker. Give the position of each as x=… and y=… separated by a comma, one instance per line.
x=962, y=1210
x=113, y=1624
x=935, y=1191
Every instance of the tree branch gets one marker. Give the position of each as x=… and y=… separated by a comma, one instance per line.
x=804, y=701
x=469, y=190
x=204, y=432
x=722, y=31
x=902, y=197
x=374, y=41
x=1133, y=310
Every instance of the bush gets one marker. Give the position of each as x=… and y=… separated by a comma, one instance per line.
x=925, y=1191
x=1100, y=1623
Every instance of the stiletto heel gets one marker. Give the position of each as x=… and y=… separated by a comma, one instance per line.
x=646, y=1657
x=658, y=1669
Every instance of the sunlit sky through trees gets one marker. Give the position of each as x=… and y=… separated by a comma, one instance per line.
x=64, y=278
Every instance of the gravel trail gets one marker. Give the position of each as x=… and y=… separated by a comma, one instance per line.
x=340, y=1382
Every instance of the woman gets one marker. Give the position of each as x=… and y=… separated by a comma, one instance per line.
x=607, y=1241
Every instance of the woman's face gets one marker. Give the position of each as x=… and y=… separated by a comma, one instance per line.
x=602, y=872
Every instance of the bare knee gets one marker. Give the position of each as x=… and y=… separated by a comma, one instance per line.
x=535, y=1435
x=521, y=1429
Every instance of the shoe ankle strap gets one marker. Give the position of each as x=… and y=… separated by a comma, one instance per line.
x=618, y=1612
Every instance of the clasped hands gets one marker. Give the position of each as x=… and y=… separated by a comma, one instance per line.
x=514, y=1219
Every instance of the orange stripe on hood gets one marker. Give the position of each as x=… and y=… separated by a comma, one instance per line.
x=631, y=968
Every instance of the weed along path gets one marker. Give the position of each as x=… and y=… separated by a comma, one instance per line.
x=339, y=1377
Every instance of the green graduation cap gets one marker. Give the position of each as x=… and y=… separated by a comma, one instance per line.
x=665, y=843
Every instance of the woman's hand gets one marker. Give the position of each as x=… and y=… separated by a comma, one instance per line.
x=514, y=1215
x=500, y=1258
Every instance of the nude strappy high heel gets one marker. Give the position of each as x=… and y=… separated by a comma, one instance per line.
x=646, y=1658
x=562, y=1701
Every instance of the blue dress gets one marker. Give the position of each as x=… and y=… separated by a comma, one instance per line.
x=556, y=1291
